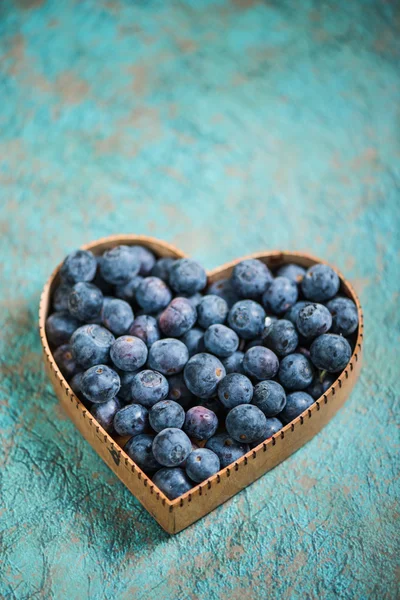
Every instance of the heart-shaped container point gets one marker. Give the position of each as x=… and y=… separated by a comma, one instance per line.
x=175, y=515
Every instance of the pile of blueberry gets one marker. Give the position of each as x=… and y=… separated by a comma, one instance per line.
x=195, y=376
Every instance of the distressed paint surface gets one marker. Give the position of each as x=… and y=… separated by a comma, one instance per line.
x=225, y=128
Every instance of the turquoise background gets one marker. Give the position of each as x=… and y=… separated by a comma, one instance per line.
x=225, y=127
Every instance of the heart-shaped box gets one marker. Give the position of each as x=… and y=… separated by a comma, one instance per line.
x=175, y=515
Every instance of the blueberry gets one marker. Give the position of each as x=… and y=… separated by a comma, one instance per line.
x=85, y=301
x=145, y=258
x=283, y=338
x=321, y=383
x=100, y=383
x=194, y=340
x=313, y=320
x=224, y=289
x=104, y=413
x=171, y=447
x=270, y=397
x=168, y=356
x=202, y=374
x=127, y=291
x=200, y=423
x=296, y=403
x=292, y=313
x=187, y=277
x=140, y=449
x=320, y=283
x=221, y=340
x=250, y=278
x=166, y=413
x=60, y=296
x=202, y=464
x=179, y=392
x=280, y=295
x=195, y=299
x=260, y=363
x=117, y=316
x=247, y=317
x=226, y=448
x=234, y=362
x=330, y=352
x=149, y=387
x=162, y=268
x=344, y=315
x=145, y=328
x=172, y=482
x=125, y=391
x=132, y=419
x=128, y=353
x=211, y=310
x=118, y=265
x=235, y=389
x=177, y=318
x=293, y=272
x=80, y=265
x=91, y=345
x=60, y=326
x=246, y=423
x=295, y=372
x=75, y=384
x=65, y=360
x=153, y=294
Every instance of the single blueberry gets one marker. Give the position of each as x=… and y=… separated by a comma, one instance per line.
x=179, y=392
x=194, y=340
x=75, y=384
x=187, y=277
x=283, y=338
x=60, y=296
x=78, y=266
x=140, y=449
x=149, y=387
x=260, y=363
x=234, y=362
x=172, y=482
x=177, y=318
x=246, y=423
x=128, y=353
x=202, y=374
x=162, y=268
x=321, y=383
x=100, y=383
x=247, y=317
x=293, y=272
x=65, y=360
x=270, y=397
x=235, y=389
x=224, y=289
x=145, y=328
x=145, y=258
x=296, y=403
x=168, y=356
x=116, y=315
x=118, y=265
x=211, y=310
x=85, y=301
x=202, y=464
x=132, y=419
x=166, y=413
x=221, y=340
x=226, y=448
x=344, y=315
x=250, y=278
x=60, y=326
x=200, y=423
x=295, y=372
x=313, y=320
x=171, y=447
x=127, y=291
x=330, y=352
x=280, y=295
x=320, y=283
x=153, y=294
x=104, y=413
x=91, y=345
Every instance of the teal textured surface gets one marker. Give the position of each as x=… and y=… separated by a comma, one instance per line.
x=224, y=127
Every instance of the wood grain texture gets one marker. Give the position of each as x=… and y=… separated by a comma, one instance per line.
x=224, y=127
